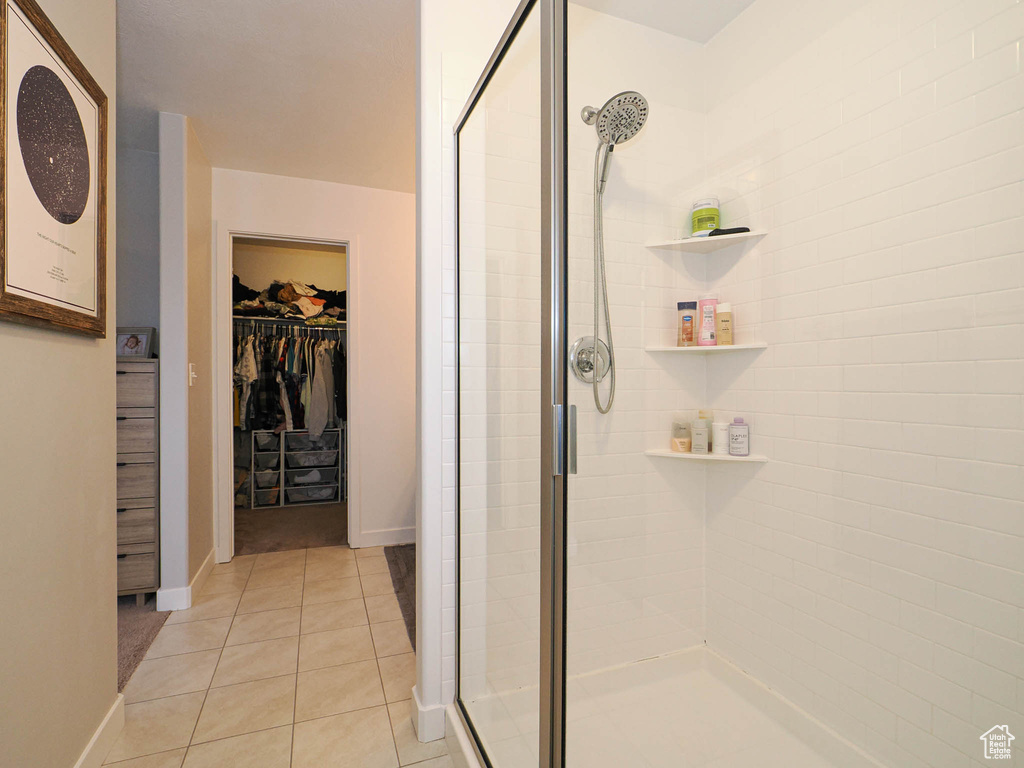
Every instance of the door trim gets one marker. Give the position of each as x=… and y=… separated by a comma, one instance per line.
x=223, y=476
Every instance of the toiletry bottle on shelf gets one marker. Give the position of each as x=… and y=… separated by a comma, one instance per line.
x=685, y=333
x=699, y=440
x=704, y=217
x=706, y=315
x=720, y=437
x=709, y=417
x=723, y=324
x=739, y=438
x=680, y=435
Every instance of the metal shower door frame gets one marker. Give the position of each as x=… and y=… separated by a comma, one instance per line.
x=554, y=370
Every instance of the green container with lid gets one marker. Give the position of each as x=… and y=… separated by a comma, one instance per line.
x=704, y=216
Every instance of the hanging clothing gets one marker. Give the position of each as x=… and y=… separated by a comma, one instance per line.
x=289, y=381
x=340, y=382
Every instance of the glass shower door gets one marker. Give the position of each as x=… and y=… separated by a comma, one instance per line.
x=499, y=368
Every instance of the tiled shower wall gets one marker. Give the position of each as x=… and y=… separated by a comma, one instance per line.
x=635, y=528
x=872, y=571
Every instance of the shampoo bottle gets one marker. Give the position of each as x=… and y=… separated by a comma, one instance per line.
x=700, y=436
x=709, y=417
x=680, y=435
x=739, y=438
x=723, y=324
x=706, y=336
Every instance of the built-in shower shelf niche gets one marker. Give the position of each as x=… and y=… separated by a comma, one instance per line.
x=695, y=350
x=708, y=244
x=664, y=453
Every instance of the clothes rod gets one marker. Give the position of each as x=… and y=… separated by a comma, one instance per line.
x=287, y=321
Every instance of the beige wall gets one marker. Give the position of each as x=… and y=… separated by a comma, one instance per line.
x=199, y=238
x=58, y=629
x=257, y=264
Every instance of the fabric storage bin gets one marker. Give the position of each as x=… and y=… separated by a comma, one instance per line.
x=267, y=441
x=267, y=479
x=267, y=460
x=328, y=493
x=299, y=477
x=312, y=459
x=303, y=442
x=266, y=498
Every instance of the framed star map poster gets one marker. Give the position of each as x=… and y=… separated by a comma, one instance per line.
x=53, y=179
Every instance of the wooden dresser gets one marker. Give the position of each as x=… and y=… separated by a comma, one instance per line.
x=138, y=477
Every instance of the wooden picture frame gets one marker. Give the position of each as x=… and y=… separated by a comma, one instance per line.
x=53, y=179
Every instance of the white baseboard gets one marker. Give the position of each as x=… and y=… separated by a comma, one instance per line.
x=180, y=598
x=176, y=599
x=388, y=538
x=427, y=721
x=104, y=737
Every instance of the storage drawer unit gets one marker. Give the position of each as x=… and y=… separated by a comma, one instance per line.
x=138, y=477
x=306, y=463
x=136, y=435
x=136, y=573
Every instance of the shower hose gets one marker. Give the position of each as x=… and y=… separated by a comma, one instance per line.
x=601, y=280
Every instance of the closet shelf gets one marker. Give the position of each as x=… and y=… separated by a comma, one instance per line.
x=664, y=453
x=707, y=244
x=695, y=350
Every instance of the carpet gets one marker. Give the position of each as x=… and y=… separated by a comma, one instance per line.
x=137, y=627
x=402, y=564
x=280, y=528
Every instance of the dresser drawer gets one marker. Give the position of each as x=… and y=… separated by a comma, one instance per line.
x=135, y=479
x=136, y=572
x=135, y=389
x=135, y=526
x=136, y=435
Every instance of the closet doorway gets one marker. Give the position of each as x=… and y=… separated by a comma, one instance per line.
x=289, y=394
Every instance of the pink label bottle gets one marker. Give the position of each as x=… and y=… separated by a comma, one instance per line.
x=706, y=330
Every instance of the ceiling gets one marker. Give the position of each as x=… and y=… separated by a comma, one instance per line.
x=697, y=20
x=316, y=89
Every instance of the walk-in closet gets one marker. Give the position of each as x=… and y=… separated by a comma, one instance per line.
x=289, y=394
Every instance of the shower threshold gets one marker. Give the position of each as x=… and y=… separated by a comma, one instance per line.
x=690, y=709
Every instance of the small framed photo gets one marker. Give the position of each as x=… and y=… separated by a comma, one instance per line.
x=135, y=342
x=53, y=178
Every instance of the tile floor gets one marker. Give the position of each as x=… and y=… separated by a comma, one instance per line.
x=295, y=659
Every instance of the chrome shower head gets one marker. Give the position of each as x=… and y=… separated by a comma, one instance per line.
x=620, y=119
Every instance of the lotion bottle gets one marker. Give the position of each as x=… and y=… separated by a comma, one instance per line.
x=699, y=432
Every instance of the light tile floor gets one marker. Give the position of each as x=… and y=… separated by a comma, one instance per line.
x=294, y=659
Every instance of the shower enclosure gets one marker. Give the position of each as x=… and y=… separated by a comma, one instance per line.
x=826, y=600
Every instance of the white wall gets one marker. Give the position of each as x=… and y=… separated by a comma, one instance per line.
x=873, y=571
x=259, y=263
x=380, y=227
x=186, y=407
x=57, y=523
